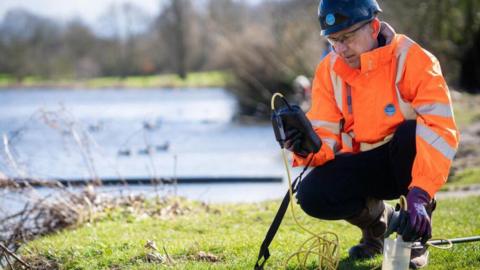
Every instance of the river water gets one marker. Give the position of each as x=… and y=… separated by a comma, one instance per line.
x=110, y=133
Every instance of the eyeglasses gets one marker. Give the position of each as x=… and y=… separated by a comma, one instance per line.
x=345, y=38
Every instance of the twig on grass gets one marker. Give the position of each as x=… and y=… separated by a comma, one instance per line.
x=6, y=250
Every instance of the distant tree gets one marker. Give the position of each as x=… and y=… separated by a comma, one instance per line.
x=110, y=43
x=27, y=40
x=136, y=21
x=123, y=23
x=446, y=27
x=79, y=44
x=470, y=72
x=225, y=22
x=174, y=26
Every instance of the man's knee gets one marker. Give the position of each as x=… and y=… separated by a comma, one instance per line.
x=324, y=207
x=314, y=202
x=311, y=204
x=309, y=195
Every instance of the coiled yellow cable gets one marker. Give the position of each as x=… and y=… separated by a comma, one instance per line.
x=324, y=245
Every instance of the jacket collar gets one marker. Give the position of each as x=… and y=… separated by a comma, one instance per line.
x=370, y=60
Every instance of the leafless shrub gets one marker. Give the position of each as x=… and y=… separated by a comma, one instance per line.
x=39, y=214
x=265, y=54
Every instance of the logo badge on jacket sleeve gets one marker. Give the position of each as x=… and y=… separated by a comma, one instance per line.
x=390, y=109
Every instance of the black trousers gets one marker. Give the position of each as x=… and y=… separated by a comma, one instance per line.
x=338, y=189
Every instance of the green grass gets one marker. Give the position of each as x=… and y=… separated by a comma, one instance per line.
x=6, y=79
x=463, y=179
x=194, y=79
x=233, y=233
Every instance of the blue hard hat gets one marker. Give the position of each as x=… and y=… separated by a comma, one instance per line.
x=336, y=15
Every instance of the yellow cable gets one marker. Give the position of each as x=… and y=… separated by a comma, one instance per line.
x=403, y=203
x=272, y=101
x=449, y=246
x=325, y=245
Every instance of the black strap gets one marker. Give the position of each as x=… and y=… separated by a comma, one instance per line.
x=264, y=252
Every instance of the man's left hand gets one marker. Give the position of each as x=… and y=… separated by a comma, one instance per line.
x=416, y=224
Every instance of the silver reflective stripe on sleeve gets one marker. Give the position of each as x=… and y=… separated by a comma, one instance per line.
x=347, y=140
x=337, y=83
x=437, y=142
x=437, y=109
x=331, y=143
x=402, y=51
x=333, y=127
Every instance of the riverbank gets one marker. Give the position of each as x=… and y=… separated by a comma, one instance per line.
x=183, y=234
x=193, y=80
x=209, y=134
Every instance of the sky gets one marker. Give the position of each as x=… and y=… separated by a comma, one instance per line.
x=88, y=10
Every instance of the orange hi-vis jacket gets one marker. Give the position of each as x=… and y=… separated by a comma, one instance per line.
x=356, y=110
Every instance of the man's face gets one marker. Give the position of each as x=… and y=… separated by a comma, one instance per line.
x=353, y=41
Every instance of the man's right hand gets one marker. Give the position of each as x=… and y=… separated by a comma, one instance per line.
x=293, y=142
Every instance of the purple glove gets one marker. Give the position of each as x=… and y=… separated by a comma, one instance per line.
x=417, y=226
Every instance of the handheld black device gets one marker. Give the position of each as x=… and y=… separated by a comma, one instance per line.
x=292, y=117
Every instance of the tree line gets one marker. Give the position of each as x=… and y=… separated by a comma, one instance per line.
x=263, y=45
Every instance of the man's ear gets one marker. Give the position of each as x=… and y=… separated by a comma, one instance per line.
x=375, y=28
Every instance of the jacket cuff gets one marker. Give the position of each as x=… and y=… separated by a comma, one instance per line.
x=430, y=187
x=325, y=154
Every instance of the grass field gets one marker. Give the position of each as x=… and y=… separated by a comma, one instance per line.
x=228, y=236
x=463, y=180
x=194, y=79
